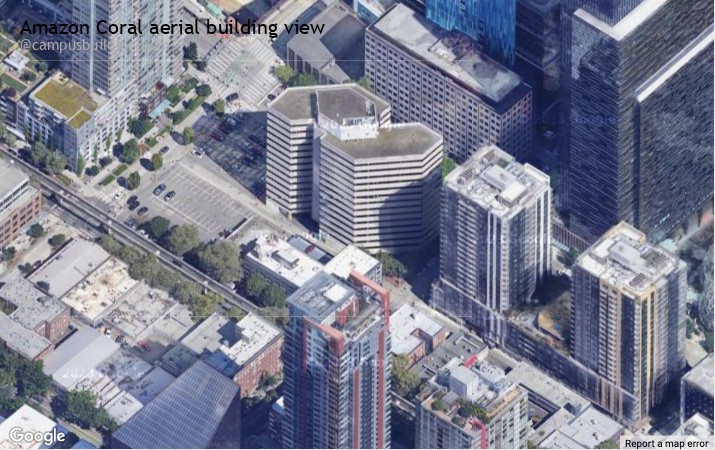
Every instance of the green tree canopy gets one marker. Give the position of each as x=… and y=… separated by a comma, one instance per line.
x=203, y=90
x=36, y=230
x=391, y=266
x=133, y=180
x=182, y=238
x=57, y=240
x=304, y=79
x=80, y=407
x=404, y=381
x=255, y=285
x=283, y=73
x=130, y=151
x=220, y=261
x=219, y=106
x=157, y=161
x=156, y=227
x=188, y=135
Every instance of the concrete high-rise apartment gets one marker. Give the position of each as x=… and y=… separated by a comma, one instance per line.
x=637, y=82
x=495, y=235
x=337, y=365
x=373, y=184
x=491, y=23
x=472, y=405
x=441, y=79
x=124, y=64
x=628, y=312
x=696, y=390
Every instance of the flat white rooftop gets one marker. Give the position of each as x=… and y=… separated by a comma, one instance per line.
x=626, y=260
x=349, y=259
x=497, y=182
x=453, y=53
x=72, y=265
x=29, y=420
x=20, y=339
x=628, y=24
x=405, y=323
x=279, y=257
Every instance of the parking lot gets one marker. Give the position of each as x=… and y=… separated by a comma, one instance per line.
x=236, y=143
x=197, y=201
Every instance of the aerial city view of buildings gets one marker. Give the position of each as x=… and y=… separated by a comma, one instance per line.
x=356, y=224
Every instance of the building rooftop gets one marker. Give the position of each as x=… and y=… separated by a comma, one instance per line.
x=16, y=60
x=94, y=295
x=451, y=52
x=281, y=258
x=459, y=345
x=405, y=323
x=67, y=98
x=397, y=140
x=29, y=420
x=188, y=414
x=624, y=258
x=351, y=258
x=78, y=356
x=638, y=16
x=222, y=343
x=10, y=178
x=339, y=50
x=138, y=309
x=480, y=383
x=300, y=102
x=702, y=375
x=150, y=385
x=587, y=429
x=22, y=340
x=33, y=306
x=70, y=266
x=309, y=248
x=537, y=382
x=497, y=182
x=698, y=425
x=320, y=296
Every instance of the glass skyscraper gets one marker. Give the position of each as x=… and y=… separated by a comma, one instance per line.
x=492, y=23
x=620, y=79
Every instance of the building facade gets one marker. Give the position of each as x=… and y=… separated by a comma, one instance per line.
x=491, y=23
x=337, y=365
x=628, y=318
x=696, y=390
x=495, y=234
x=20, y=203
x=623, y=61
x=472, y=406
x=443, y=81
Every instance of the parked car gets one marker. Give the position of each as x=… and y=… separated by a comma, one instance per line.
x=143, y=210
x=169, y=196
x=159, y=189
x=164, y=150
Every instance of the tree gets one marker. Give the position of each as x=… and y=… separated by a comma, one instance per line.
x=439, y=405
x=304, y=79
x=182, y=238
x=92, y=171
x=41, y=66
x=608, y=443
x=570, y=257
x=448, y=165
x=188, y=135
x=283, y=73
x=31, y=379
x=173, y=93
x=267, y=380
x=139, y=127
x=105, y=161
x=133, y=180
x=236, y=314
x=130, y=151
x=203, y=90
x=364, y=82
x=405, y=381
x=79, y=407
x=186, y=292
x=708, y=341
x=219, y=106
x=391, y=266
x=157, y=161
x=8, y=253
x=36, y=230
x=156, y=227
x=57, y=240
x=220, y=261
x=55, y=163
x=255, y=285
x=273, y=295
x=191, y=52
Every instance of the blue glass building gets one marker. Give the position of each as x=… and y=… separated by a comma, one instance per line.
x=492, y=23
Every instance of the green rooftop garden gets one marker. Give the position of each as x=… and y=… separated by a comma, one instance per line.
x=79, y=119
x=9, y=81
x=65, y=96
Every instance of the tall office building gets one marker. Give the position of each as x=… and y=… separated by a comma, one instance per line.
x=440, y=78
x=472, y=405
x=491, y=23
x=628, y=312
x=696, y=390
x=337, y=365
x=637, y=79
x=495, y=234
x=125, y=64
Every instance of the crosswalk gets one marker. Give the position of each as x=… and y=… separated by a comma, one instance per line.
x=243, y=65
